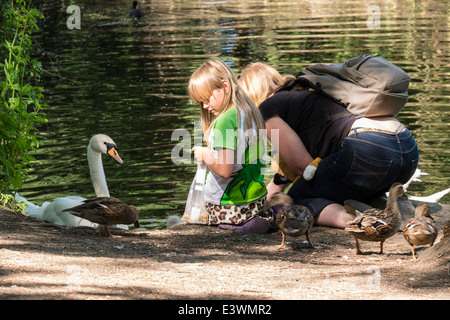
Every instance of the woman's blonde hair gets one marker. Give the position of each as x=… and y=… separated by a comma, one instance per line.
x=209, y=77
x=259, y=81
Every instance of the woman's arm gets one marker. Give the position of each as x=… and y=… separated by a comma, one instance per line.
x=289, y=145
x=222, y=166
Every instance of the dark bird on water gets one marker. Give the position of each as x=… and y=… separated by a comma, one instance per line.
x=136, y=12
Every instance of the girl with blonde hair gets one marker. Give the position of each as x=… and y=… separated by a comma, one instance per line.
x=235, y=189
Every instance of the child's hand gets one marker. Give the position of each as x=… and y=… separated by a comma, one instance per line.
x=198, y=153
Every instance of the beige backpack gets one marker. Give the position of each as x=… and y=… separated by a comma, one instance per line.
x=366, y=85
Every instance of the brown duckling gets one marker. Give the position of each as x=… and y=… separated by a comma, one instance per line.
x=420, y=230
x=376, y=224
x=293, y=220
x=106, y=211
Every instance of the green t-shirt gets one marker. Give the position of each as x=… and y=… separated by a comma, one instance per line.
x=246, y=183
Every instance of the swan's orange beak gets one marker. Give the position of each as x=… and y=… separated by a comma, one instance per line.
x=113, y=153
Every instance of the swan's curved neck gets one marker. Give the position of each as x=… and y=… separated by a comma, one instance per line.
x=97, y=173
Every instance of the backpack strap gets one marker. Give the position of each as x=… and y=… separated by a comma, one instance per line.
x=317, y=87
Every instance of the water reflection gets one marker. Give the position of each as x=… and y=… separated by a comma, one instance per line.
x=127, y=79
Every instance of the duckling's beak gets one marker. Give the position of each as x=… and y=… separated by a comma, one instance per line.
x=113, y=153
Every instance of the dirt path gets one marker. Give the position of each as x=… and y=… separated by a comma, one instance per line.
x=39, y=260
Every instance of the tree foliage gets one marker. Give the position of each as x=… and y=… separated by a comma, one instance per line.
x=20, y=98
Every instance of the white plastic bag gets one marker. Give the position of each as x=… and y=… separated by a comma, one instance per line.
x=195, y=211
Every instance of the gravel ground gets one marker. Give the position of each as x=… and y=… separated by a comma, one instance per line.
x=39, y=260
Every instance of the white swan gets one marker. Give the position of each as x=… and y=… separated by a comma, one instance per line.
x=52, y=211
x=434, y=198
x=415, y=177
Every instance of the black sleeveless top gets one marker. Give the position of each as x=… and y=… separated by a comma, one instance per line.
x=321, y=123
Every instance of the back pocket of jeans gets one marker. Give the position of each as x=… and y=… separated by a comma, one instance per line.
x=367, y=173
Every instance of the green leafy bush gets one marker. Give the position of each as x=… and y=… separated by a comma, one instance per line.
x=20, y=100
x=8, y=200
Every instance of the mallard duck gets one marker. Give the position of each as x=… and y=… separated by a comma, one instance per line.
x=277, y=201
x=293, y=220
x=376, y=224
x=106, y=211
x=420, y=230
x=356, y=207
x=405, y=206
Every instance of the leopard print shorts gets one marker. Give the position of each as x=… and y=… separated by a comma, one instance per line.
x=234, y=214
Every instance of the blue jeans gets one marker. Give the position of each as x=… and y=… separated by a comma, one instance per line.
x=364, y=167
